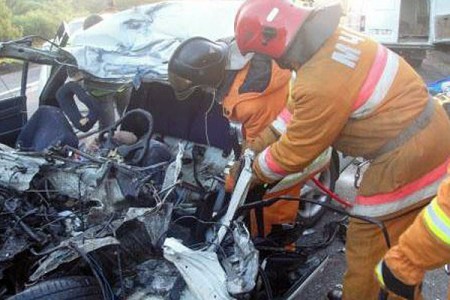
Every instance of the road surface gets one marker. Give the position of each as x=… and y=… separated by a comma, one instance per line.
x=10, y=86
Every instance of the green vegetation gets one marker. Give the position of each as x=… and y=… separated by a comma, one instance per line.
x=42, y=17
x=7, y=28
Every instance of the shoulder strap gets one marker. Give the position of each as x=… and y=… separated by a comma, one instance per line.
x=258, y=76
x=417, y=125
x=226, y=85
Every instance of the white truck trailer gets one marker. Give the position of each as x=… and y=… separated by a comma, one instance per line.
x=410, y=27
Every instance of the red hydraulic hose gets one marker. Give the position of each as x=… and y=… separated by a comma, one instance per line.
x=333, y=196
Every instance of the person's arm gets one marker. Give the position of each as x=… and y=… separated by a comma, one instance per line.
x=318, y=116
x=424, y=246
x=65, y=97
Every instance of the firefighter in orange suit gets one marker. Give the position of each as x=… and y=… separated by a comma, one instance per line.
x=424, y=246
x=366, y=101
x=252, y=90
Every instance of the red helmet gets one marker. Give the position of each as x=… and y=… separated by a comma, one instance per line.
x=268, y=26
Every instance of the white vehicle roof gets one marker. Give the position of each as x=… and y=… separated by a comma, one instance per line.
x=135, y=45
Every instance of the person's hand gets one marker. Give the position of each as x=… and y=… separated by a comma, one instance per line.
x=390, y=283
x=233, y=175
x=264, y=139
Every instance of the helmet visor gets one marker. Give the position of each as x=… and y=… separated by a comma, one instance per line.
x=182, y=87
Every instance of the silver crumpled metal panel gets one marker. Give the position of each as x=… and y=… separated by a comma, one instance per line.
x=242, y=266
x=87, y=182
x=67, y=253
x=16, y=170
x=135, y=45
x=201, y=270
x=156, y=221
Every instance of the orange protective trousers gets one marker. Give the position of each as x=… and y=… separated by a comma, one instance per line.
x=365, y=247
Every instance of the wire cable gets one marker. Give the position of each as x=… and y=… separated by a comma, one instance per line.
x=107, y=291
x=270, y=201
x=206, y=117
x=330, y=193
x=266, y=283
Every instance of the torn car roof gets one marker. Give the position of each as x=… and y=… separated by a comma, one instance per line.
x=135, y=45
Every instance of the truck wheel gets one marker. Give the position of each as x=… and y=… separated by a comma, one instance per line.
x=73, y=288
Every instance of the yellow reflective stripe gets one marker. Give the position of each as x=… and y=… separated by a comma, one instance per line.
x=437, y=222
x=379, y=274
x=441, y=214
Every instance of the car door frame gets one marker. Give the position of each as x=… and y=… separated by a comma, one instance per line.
x=13, y=111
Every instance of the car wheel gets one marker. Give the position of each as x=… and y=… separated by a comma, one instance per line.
x=309, y=213
x=77, y=287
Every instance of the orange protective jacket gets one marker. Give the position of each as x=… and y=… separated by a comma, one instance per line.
x=358, y=96
x=256, y=106
x=425, y=245
x=257, y=95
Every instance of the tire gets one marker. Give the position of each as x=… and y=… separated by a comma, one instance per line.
x=309, y=214
x=68, y=288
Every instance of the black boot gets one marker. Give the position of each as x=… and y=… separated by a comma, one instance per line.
x=335, y=293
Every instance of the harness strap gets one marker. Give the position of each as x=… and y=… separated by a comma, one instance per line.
x=416, y=126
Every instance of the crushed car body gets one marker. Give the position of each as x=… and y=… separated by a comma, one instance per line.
x=138, y=209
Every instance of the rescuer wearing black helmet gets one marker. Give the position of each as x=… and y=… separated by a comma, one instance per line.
x=197, y=63
x=253, y=91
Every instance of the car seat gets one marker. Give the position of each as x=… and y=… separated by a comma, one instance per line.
x=47, y=127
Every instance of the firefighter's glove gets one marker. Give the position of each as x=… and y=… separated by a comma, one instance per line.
x=390, y=283
x=266, y=138
x=233, y=175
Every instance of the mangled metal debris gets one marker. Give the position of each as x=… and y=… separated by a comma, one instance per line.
x=68, y=251
x=242, y=266
x=104, y=205
x=17, y=171
x=201, y=270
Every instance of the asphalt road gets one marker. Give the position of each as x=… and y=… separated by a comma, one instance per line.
x=10, y=86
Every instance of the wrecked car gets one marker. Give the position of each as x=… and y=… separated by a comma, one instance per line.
x=138, y=209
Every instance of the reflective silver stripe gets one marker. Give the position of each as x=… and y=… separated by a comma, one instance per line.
x=419, y=123
x=382, y=88
x=380, y=210
x=279, y=125
x=318, y=164
x=437, y=222
x=282, y=121
x=267, y=172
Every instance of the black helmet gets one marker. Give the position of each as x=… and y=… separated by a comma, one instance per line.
x=197, y=62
